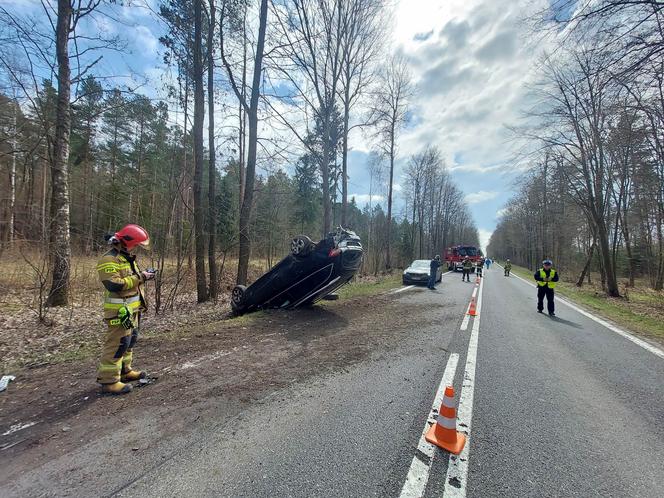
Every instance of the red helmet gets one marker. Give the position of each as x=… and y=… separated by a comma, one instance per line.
x=133, y=235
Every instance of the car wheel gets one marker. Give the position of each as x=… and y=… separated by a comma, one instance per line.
x=237, y=296
x=301, y=245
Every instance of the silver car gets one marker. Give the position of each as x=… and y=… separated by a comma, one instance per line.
x=418, y=272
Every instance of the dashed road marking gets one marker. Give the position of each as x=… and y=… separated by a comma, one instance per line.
x=457, y=467
x=418, y=474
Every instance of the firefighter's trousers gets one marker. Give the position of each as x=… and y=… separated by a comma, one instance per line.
x=117, y=352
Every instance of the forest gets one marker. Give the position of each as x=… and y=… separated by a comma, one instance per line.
x=247, y=142
x=593, y=196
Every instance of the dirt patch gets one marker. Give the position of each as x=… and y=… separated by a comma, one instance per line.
x=225, y=362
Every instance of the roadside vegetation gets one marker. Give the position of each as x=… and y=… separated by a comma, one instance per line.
x=33, y=335
x=639, y=310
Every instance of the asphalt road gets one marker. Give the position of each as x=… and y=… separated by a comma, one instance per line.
x=563, y=406
x=553, y=407
x=352, y=433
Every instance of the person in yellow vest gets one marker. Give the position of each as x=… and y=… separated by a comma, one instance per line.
x=507, y=268
x=546, y=278
x=124, y=301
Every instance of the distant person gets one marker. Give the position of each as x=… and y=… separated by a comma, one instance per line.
x=508, y=268
x=467, y=265
x=479, y=266
x=546, y=278
x=433, y=272
x=487, y=262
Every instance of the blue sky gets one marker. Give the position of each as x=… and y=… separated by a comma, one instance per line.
x=471, y=65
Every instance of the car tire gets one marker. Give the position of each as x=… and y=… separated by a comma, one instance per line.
x=301, y=246
x=237, y=297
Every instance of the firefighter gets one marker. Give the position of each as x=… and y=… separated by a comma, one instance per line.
x=508, y=268
x=433, y=272
x=479, y=266
x=467, y=266
x=124, y=300
x=546, y=278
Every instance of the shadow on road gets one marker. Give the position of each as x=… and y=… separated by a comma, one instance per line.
x=566, y=322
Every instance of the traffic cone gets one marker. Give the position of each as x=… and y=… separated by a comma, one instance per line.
x=472, y=311
x=443, y=433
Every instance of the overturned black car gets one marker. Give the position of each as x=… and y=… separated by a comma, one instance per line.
x=308, y=274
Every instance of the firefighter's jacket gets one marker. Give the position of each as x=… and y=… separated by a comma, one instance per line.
x=467, y=264
x=122, y=281
x=541, y=274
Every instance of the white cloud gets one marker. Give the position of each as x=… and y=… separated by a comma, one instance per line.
x=500, y=213
x=481, y=196
x=363, y=199
x=145, y=40
x=472, y=77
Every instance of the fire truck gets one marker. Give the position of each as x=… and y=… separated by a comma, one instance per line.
x=455, y=255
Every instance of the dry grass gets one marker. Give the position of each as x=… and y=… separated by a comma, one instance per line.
x=75, y=332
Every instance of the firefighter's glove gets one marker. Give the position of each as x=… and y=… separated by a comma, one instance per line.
x=148, y=274
x=124, y=314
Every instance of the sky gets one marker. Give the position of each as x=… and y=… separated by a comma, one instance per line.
x=472, y=62
x=473, y=65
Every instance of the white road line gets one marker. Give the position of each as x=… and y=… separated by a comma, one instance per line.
x=466, y=320
x=474, y=292
x=402, y=289
x=457, y=467
x=639, y=342
x=418, y=474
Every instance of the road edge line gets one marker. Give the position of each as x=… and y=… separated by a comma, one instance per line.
x=639, y=342
x=418, y=473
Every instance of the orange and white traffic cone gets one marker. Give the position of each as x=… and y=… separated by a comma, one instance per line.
x=472, y=311
x=443, y=433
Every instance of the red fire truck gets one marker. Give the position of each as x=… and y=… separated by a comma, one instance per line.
x=455, y=255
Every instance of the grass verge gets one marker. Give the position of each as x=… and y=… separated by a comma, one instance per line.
x=369, y=286
x=641, y=311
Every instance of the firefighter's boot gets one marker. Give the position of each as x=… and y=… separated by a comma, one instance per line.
x=132, y=375
x=116, y=388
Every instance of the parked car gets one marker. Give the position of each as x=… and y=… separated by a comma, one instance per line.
x=310, y=272
x=418, y=272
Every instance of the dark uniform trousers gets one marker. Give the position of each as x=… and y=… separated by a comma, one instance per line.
x=548, y=292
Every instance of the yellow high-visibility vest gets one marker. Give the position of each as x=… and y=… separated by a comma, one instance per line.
x=552, y=274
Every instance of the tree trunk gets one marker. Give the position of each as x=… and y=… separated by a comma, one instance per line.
x=586, y=267
x=199, y=110
x=12, y=176
x=389, y=200
x=325, y=173
x=344, y=157
x=247, y=201
x=611, y=283
x=212, y=170
x=59, y=223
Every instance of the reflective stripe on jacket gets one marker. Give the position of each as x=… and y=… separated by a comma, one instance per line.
x=122, y=282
